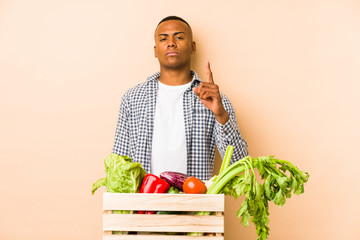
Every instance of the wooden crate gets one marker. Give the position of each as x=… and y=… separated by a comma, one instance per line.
x=158, y=224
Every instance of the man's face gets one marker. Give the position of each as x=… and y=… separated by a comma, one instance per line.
x=173, y=44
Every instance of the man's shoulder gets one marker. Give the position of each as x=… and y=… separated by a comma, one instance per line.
x=142, y=88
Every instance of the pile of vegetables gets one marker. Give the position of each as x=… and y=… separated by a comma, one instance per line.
x=275, y=181
x=185, y=183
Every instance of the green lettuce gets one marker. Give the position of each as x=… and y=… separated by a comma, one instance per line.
x=122, y=175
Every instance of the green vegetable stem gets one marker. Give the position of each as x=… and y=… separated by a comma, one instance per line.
x=280, y=179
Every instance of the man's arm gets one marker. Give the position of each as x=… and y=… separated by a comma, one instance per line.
x=229, y=134
x=226, y=128
x=122, y=139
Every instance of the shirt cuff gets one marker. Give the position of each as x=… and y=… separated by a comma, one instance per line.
x=226, y=130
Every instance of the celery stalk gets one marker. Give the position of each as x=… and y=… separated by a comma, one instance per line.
x=227, y=158
x=280, y=179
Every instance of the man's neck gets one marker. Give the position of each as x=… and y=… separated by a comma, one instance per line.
x=175, y=77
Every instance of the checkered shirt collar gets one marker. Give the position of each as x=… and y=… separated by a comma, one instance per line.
x=194, y=82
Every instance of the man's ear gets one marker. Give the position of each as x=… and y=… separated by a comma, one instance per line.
x=193, y=47
x=155, y=52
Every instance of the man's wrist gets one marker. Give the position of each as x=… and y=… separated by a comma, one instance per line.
x=222, y=118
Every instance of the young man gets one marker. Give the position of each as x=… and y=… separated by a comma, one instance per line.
x=172, y=121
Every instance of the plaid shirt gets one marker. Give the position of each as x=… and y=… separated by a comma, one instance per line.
x=135, y=125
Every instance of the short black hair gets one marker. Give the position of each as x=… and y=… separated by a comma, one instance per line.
x=173, y=18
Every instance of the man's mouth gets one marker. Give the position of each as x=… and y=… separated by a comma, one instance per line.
x=171, y=53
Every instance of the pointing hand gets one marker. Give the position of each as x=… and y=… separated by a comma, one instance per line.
x=209, y=95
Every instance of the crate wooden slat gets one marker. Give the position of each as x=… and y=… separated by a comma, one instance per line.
x=161, y=223
x=159, y=237
x=163, y=202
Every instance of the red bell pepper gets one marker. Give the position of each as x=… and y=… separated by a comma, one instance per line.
x=153, y=184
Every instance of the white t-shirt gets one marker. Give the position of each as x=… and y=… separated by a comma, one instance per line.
x=169, y=141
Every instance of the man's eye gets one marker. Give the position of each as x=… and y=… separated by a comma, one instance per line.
x=180, y=38
x=162, y=39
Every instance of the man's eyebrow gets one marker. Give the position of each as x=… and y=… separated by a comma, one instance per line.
x=165, y=34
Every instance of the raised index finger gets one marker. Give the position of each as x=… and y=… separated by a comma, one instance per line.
x=209, y=73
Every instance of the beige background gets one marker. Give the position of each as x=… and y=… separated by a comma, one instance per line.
x=290, y=68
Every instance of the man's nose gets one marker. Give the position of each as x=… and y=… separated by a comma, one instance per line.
x=171, y=43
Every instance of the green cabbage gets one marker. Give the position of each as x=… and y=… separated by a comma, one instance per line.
x=122, y=175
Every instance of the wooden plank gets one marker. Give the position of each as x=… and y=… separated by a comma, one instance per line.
x=163, y=202
x=219, y=214
x=160, y=237
x=163, y=223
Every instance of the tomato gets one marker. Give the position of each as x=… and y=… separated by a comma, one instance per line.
x=194, y=185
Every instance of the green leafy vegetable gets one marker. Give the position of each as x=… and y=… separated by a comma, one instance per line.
x=173, y=190
x=122, y=176
x=280, y=179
